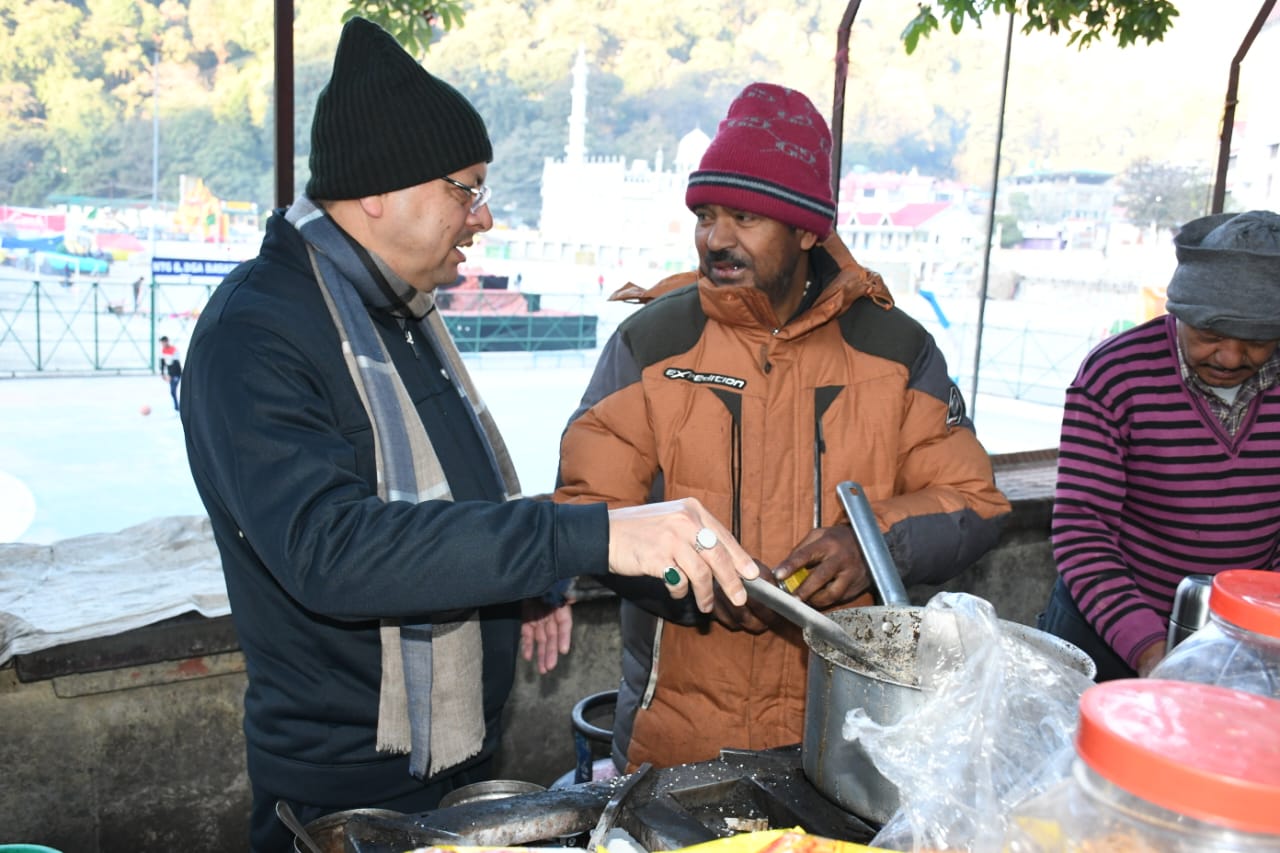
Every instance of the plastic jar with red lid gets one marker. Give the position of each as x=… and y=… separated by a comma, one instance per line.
x=1239, y=647
x=1162, y=767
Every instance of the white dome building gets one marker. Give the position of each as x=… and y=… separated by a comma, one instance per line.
x=690, y=149
x=633, y=216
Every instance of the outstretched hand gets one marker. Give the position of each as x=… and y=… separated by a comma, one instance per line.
x=661, y=540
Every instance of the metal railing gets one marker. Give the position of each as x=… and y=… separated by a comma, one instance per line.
x=521, y=332
x=1025, y=363
x=49, y=326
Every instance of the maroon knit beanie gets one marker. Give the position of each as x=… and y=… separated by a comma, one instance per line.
x=772, y=157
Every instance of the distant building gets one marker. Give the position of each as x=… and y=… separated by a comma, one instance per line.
x=915, y=230
x=1060, y=209
x=604, y=212
x=885, y=191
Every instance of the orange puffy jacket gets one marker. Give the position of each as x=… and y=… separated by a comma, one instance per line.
x=701, y=394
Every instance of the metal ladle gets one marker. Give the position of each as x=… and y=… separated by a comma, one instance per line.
x=885, y=579
x=884, y=576
x=816, y=625
x=291, y=820
x=801, y=614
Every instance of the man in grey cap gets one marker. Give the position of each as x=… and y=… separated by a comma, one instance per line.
x=1169, y=463
x=363, y=503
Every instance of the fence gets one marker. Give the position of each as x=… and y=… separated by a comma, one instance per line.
x=50, y=326
x=1025, y=363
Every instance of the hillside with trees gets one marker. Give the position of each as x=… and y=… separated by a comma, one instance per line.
x=80, y=85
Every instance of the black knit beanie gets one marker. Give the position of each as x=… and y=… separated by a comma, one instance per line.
x=384, y=123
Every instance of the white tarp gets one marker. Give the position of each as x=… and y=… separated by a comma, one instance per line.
x=107, y=583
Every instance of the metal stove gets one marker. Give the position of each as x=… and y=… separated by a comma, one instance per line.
x=662, y=809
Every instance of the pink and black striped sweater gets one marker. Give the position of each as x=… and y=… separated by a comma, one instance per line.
x=1151, y=488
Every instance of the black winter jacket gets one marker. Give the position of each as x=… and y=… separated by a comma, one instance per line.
x=282, y=453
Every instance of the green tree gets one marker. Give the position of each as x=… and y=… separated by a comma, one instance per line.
x=1010, y=233
x=1163, y=194
x=414, y=23
x=77, y=90
x=1085, y=21
x=118, y=170
x=27, y=166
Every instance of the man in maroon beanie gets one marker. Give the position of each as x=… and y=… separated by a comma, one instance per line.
x=758, y=383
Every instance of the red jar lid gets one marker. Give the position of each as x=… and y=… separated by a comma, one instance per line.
x=1199, y=750
x=1249, y=599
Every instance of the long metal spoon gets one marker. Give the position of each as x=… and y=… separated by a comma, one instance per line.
x=815, y=623
x=291, y=820
x=801, y=614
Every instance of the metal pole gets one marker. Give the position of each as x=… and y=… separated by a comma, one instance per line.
x=1229, y=109
x=97, y=333
x=837, y=107
x=284, y=101
x=39, y=337
x=155, y=190
x=991, y=223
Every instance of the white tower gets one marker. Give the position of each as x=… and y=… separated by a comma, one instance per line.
x=576, y=151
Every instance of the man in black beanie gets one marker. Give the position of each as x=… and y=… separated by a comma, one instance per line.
x=363, y=503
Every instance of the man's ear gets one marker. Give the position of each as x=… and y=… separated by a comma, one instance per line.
x=807, y=239
x=372, y=205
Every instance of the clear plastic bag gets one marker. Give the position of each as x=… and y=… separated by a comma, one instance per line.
x=996, y=727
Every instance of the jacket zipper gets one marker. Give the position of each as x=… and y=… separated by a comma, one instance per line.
x=823, y=397
x=819, y=448
x=408, y=337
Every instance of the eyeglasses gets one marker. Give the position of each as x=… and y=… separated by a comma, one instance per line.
x=479, y=195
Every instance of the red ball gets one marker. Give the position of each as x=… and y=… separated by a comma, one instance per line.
x=146, y=410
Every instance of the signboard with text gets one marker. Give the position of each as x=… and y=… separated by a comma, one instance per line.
x=194, y=267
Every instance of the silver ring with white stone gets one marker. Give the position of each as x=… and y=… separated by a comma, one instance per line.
x=705, y=539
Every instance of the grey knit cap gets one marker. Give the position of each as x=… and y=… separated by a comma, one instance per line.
x=1228, y=275
x=383, y=123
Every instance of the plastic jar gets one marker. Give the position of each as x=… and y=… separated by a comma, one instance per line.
x=1239, y=647
x=1162, y=767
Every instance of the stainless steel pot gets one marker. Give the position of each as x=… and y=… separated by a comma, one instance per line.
x=882, y=678
x=330, y=831
x=491, y=789
x=841, y=769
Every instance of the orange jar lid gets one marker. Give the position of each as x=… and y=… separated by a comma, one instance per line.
x=1202, y=751
x=1249, y=599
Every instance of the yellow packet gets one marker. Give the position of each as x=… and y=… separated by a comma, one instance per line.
x=793, y=581
x=777, y=841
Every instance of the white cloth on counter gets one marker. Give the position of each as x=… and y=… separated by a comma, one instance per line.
x=107, y=583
